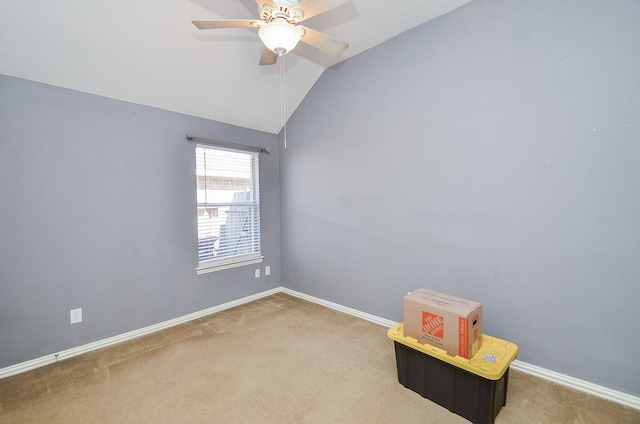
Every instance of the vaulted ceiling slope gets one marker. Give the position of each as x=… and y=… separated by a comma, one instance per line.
x=148, y=52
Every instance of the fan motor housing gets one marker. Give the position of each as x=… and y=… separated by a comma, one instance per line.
x=283, y=9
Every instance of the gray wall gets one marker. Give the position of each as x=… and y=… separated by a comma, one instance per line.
x=493, y=154
x=97, y=210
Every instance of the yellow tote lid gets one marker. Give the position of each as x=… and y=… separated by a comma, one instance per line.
x=490, y=362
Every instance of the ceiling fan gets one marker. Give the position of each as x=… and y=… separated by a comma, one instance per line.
x=279, y=27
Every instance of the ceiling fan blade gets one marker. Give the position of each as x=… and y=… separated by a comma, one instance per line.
x=226, y=23
x=268, y=57
x=312, y=8
x=323, y=42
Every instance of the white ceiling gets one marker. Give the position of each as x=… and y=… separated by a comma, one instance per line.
x=148, y=52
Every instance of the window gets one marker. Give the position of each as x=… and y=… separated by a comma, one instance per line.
x=228, y=210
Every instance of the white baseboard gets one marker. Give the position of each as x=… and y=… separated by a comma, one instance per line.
x=69, y=353
x=567, y=381
x=340, y=308
x=577, y=384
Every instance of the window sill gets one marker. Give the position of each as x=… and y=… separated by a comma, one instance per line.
x=216, y=265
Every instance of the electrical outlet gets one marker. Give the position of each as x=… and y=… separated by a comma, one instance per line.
x=76, y=315
x=267, y=270
x=257, y=272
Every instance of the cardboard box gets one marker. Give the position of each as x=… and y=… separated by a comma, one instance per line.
x=448, y=322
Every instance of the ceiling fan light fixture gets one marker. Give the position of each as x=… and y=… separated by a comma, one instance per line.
x=279, y=36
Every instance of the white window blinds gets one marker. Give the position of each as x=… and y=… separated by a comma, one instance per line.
x=228, y=209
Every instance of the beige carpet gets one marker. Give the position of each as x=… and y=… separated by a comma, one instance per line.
x=275, y=360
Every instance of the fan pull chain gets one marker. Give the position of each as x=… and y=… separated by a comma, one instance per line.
x=283, y=122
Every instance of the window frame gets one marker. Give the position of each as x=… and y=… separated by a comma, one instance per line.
x=227, y=262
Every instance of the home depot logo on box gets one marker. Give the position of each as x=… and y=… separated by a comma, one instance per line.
x=432, y=324
x=448, y=322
